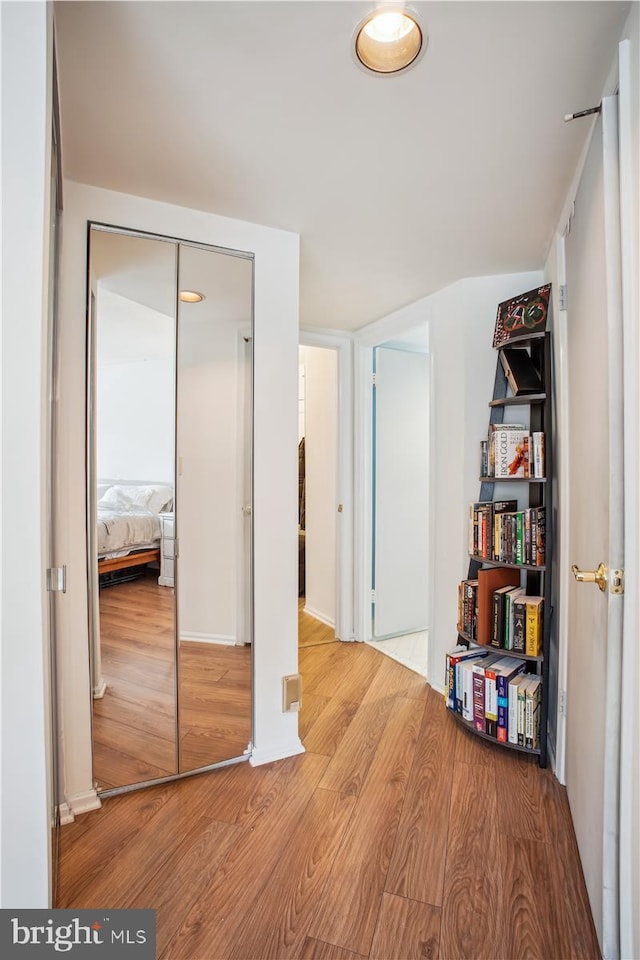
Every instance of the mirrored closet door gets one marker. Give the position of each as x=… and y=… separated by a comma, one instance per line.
x=169, y=515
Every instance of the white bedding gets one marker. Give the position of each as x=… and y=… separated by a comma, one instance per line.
x=128, y=517
x=121, y=531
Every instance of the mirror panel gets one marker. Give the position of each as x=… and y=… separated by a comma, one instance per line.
x=213, y=492
x=131, y=490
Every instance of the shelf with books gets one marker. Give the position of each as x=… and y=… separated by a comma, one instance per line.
x=468, y=725
x=513, y=479
x=466, y=639
x=504, y=605
x=512, y=566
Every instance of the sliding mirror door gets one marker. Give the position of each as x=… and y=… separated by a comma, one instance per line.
x=213, y=515
x=131, y=490
x=169, y=494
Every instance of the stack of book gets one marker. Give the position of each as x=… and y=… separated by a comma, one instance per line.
x=511, y=451
x=494, y=610
x=499, y=531
x=495, y=694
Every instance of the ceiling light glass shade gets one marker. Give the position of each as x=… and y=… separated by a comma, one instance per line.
x=191, y=296
x=388, y=41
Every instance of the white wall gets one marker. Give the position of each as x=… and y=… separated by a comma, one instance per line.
x=207, y=486
x=275, y=487
x=25, y=30
x=321, y=472
x=135, y=400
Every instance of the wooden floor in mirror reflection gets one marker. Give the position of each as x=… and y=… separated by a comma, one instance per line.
x=134, y=724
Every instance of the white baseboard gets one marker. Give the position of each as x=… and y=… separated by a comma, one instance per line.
x=100, y=690
x=83, y=802
x=208, y=638
x=319, y=616
x=65, y=814
x=276, y=752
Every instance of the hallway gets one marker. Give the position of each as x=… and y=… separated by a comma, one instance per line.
x=396, y=835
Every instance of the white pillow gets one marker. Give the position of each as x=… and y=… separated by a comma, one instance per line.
x=152, y=497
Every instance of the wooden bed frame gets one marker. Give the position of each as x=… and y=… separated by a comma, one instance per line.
x=131, y=560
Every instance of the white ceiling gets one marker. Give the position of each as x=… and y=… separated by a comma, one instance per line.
x=397, y=185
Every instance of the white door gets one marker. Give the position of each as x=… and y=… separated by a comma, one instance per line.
x=401, y=492
x=595, y=514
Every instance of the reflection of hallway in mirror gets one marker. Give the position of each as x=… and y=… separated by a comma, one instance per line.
x=312, y=632
x=215, y=702
x=134, y=726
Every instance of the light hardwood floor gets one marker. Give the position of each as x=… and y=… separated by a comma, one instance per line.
x=312, y=632
x=396, y=835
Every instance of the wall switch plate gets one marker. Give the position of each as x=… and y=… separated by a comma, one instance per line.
x=292, y=693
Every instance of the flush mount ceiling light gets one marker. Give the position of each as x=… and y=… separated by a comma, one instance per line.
x=191, y=296
x=388, y=41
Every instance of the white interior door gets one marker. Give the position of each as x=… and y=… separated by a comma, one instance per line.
x=595, y=509
x=401, y=492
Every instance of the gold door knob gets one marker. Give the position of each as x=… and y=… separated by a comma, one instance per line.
x=598, y=576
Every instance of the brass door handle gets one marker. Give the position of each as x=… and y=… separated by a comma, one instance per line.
x=598, y=576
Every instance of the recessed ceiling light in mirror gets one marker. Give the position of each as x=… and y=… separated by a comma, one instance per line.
x=388, y=41
x=191, y=296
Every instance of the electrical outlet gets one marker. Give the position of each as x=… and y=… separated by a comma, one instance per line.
x=292, y=693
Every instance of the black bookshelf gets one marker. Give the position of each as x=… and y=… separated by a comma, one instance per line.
x=536, y=579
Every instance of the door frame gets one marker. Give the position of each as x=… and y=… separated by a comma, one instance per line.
x=373, y=335
x=343, y=347
x=625, y=896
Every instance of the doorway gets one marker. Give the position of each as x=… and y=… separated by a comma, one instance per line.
x=400, y=500
x=317, y=494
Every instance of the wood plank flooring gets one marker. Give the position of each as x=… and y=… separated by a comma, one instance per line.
x=134, y=724
x=397, y=835
x=311, y=631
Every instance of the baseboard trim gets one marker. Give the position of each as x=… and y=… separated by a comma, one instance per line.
x=83, y=802
x=100, y=690
x=65, y=814
x=276, y=752
x=208, y=638
x=319, y=616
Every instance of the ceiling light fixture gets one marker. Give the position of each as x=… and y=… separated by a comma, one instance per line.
x=191, y=296
x=389, y=41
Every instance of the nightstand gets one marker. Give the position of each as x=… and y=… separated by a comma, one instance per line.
x=167, y=549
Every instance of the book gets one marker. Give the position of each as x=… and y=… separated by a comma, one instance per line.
x=497, y=627
x=537, y=455
x=511, y=453
x=465, y=673
x=492, y=669
x=520, y=371
x=533, y=626
x=508, y=615
x=478, y=672
x=491, y=445
x=514, y=684
x=540, y=536
x=518, y=641
x=470, y=656
x=523, y=315
x=532, y=714
x=505, y=673
x=452, y=659
x=522, y=702
x=500, y=507
x=489, y=580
